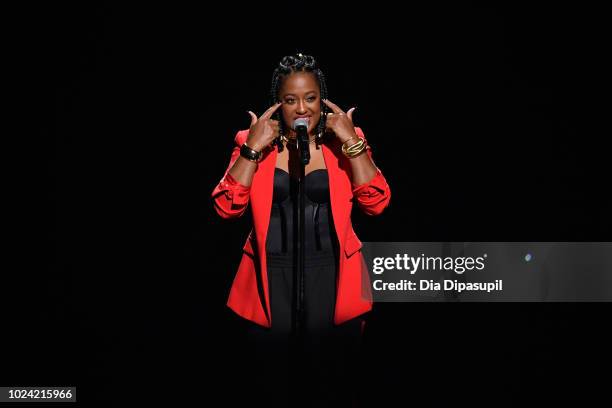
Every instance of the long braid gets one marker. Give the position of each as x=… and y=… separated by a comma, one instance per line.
x=288, y=65
x=323, y=86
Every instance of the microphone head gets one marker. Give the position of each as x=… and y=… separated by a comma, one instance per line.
x=300, y=124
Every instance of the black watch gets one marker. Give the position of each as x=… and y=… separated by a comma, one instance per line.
x=250, y=154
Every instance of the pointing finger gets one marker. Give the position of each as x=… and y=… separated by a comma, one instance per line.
x=350, y=113
x=267, y=114
x=253, y=118
x=332, y=106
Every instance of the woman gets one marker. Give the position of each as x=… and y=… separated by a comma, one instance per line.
x=262, y=171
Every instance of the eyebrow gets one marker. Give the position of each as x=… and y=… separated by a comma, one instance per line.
x=290, y=94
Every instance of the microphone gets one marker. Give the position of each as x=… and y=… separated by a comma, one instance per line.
x=300, y=126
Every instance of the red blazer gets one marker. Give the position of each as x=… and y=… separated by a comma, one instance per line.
x=249, y=295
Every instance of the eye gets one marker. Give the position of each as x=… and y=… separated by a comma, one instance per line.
x=289, y=100
x=311, y=98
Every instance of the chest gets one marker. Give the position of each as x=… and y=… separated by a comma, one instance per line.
x=288, y=160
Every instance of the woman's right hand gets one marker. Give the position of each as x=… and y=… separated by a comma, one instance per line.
x=264, y=130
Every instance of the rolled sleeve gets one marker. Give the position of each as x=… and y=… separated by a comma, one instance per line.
x=230, y=197
x=373, y=196
x=234, y=191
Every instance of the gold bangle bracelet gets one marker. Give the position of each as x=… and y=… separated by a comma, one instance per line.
x=359, y=141
x=354, y=145
x=352, y=138
x=357, y=153
x=355, y=149
x=350, y=152
x=365, y=149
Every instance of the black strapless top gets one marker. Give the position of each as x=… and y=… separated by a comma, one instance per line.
x=320, y=233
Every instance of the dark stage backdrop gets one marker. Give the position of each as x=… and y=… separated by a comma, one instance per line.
x=481, y=119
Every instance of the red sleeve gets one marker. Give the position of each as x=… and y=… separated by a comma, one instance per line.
x=230, y=198
x=373, y=196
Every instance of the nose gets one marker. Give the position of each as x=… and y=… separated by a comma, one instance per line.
x=301, y=107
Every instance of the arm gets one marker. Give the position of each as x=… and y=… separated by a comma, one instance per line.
x=370, y=187
x=231, y=195
x=362, y=166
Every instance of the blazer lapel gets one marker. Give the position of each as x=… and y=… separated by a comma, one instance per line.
x=261, y=193
x=337, y=191
x=261, y=201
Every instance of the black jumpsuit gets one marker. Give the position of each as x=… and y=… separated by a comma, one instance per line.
x=320, y=247
x=320, y=367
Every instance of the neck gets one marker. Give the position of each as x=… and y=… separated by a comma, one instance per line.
x=293, y=135
x=291, y=138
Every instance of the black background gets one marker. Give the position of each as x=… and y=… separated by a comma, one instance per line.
x=482, y=120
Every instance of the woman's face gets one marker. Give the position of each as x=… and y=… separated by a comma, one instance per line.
x=300, y=96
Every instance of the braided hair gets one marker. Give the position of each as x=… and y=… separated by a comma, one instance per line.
x=288, y=65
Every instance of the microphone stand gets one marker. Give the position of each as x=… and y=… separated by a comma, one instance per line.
x=304, y=158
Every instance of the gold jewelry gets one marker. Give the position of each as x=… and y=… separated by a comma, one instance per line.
x=354, y=153
x=355, y=149
x=348, y=140
x=293, y=140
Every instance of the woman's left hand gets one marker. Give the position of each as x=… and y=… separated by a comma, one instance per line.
x=339, y=122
